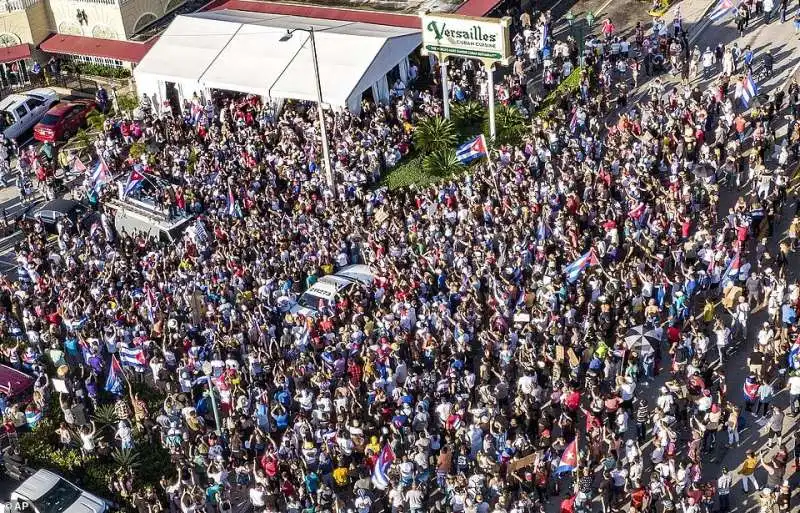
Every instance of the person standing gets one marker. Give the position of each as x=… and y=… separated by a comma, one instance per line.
x=747, y=470
x=724, y=483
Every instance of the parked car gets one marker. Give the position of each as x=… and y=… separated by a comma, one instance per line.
x=47, y=492
x=328, y=288
x=53, y=210
x=63, y=121
x=20, y=112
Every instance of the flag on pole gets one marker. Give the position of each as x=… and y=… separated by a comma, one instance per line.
x=722, y=10
x=569, y=458
x=749, y=89
x=135, y=179
x=77, y=165
x=114, y=379
x=573, y=121
x=574, y=269
x=472, y=150
x=380, y=473
x=133, y=357
x=232, y=208
x=100, y=174
x=732, y=271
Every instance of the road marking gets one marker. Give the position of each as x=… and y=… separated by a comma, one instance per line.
x=602, y=7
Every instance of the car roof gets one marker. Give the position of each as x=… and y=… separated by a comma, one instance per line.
x=38, y=484
x=360, y=273
x=60, y=205
x=61, y=108
x=326, y=287
x=10, y=100
x=40, y=93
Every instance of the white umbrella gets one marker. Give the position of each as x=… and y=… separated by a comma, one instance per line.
x=641, y=340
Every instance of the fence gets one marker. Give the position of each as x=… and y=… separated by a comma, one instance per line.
x=74, y=81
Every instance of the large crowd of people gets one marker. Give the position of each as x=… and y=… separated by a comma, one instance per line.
x=499, y=355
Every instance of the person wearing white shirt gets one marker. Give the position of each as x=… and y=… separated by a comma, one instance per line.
x=793, y=384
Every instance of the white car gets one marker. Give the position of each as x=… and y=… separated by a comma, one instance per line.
x=21, y=111
x=325, y=291
x=47, y=492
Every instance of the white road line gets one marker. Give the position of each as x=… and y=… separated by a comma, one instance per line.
x=602, y=8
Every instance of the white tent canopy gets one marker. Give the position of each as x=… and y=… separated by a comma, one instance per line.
x=241, y=51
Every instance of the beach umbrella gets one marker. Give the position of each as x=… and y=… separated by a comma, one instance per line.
x=641, y=340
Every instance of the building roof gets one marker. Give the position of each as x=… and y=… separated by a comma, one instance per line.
x=320, y=12
x=15, y=53
x=477, y=7
x=127, y=51
x=241, y=51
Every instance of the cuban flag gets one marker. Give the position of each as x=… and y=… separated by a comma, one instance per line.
x=135, y=180
x=569, y=458
x=545, y=33
x=573, y=121
x=574, y=269
x=232, y=209
x=77, y=165
x=749, y=90
x=793, y=359
x=380, y=473
x=543, y=231
x=732, y=271
x=723, y=9
x=133, y=357
x=114, y=379
x=750, y=388
x=100, y=174
x=472, y=150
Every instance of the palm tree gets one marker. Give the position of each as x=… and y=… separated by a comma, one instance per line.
x=510, y=125
x=96, y=120
x=105, y=415
x=126, y=459
x=467, y=117
x=442, y=163
x=434, y=133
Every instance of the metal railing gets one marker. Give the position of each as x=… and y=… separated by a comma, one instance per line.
x=16, y=5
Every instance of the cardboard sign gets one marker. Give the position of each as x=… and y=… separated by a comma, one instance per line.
x=523, y=462
x=573, y=359
x=560, y=353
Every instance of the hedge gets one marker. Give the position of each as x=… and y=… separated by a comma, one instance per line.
x=101, y=70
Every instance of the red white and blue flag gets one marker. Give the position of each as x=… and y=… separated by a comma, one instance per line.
x=380, y=473
x=232, y=208
x=133, y=357
x=732, y=271
x=151, y=302
x=723, y=9
x=750, y=388
x=114, y=379
x=749, y=89
x=472, y=150
x=100, y=174
x=135, y=180
x=574, y=269
x=569, y=458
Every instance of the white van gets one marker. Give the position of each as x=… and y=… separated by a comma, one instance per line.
x=47, y=492
x=20, y=112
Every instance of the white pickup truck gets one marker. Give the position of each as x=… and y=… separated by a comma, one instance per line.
x=47, y=492
x=19, y=112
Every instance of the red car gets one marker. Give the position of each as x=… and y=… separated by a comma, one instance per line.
x=63, y=120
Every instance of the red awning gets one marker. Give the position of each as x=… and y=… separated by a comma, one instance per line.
x=477, y=7
x=324, y=13
x=15, y=53
x=127, y=51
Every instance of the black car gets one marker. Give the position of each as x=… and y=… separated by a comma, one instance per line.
x=53, y=210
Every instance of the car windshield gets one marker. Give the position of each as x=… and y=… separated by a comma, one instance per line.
x=58, y=498
x=49, y=119
x=311, y=301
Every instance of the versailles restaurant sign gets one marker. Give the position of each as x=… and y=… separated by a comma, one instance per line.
x=464, y=36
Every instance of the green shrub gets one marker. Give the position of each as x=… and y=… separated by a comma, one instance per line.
x=100, y=70
x=442, y=163
x=510, y=125
x=434, y=133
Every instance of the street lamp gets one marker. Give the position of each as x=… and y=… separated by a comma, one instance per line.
x=323, y=130
x=208, y=370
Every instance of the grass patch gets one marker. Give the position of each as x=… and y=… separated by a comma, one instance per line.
x=411, y=172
